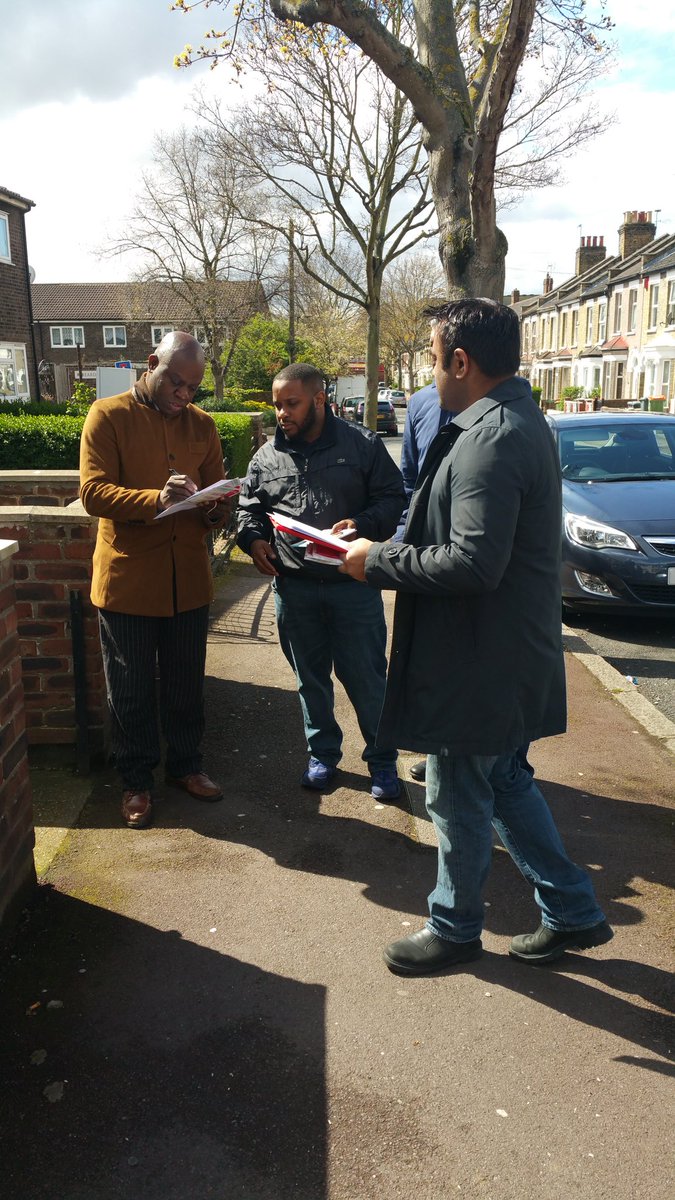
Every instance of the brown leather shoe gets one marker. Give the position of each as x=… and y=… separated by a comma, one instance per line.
x=137, y=809
x=198, y=785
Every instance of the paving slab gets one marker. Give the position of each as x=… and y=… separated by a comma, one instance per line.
x=201, y=1009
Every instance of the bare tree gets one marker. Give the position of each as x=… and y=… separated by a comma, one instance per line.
x=458, y=64
x=331, y=323
x=336, y=146
x=191, y=225
x=413, y=283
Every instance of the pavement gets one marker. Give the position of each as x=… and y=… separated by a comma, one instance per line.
x=202, y=1010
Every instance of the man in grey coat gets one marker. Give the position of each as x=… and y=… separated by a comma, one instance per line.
x=476, y=665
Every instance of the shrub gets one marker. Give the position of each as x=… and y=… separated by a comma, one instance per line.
x=571, y=393
x=83, y=396
x=234, y=399
x=33, y=408
x=536, y=395
x=52, y=443
x=39, y=443
x=234, y=431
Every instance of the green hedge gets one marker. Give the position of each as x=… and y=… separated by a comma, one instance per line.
x=234, y=399
x=234, y=431
x=39, y=443
x=53, y=443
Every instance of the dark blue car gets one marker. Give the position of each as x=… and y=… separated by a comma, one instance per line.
x=618, y=537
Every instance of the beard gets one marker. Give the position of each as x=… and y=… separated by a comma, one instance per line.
x=308, y=426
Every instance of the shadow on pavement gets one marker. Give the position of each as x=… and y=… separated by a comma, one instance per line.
x=184, y=1072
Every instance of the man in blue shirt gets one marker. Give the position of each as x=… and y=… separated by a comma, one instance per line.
x=423, y=420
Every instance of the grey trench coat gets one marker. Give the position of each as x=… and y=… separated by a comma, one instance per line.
x=477, y=664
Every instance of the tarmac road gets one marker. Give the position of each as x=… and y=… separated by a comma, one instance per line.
x=201, y=1009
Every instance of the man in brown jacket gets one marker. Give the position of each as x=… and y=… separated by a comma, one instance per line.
x=141, y=453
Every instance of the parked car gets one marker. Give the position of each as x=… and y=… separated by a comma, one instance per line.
x=618, y=536
x=386, y=416
x=397, y=397
x=349, y=405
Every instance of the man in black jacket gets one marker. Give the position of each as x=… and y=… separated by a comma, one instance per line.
x=334, y=475
x=476, y=662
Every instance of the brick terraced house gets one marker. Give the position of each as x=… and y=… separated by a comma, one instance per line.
x=99, y=324
x=18, y=366
x=611, y=326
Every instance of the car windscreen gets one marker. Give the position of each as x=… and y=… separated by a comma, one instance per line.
x=606, y=451
x=383, y=406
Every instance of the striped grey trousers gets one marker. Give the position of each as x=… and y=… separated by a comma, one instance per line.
x=132, y=646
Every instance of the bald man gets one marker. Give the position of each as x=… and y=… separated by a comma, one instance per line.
x=141, y=453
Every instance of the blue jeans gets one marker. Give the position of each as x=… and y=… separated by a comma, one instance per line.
x=465, y=796
x=340, y=626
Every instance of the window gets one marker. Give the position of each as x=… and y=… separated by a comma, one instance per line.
x=666, y=378
x=589, y=325
x=632, y=309
x=159, y=332
x=201, y=335
x=526, y=340
x=602, y=321
x=617, y=312
x=653, y=305
x=618, y=391
x=575, y=326
x=13, y=374
x=670, y=304
x=114, y=335
x=554, y=343
x=66, y=335
x=563, y=329
x=5, y=255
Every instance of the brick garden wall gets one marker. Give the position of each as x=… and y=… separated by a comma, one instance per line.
x=55, y=547
x=53, y=488
x=17, y=870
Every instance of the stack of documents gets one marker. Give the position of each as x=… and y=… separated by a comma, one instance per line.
x=224, y=488
x=323, y=547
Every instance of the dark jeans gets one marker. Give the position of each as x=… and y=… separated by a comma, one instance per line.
x=466, y=794
x=131, y=647
x=340, y=626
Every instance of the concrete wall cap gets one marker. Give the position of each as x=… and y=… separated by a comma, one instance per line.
x=28, y=514
x=40, y=476
x=7, y=549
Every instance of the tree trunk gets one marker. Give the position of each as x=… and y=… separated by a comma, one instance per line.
x=471, y=247
x=411, y=373
x=372, y=363
x=218, y=372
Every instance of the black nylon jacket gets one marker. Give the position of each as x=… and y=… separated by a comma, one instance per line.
x=346, y=472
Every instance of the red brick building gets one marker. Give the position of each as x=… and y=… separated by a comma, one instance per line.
x=18, y=366
x=104, y=323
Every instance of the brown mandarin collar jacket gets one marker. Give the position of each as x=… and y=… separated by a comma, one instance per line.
x=126, y=454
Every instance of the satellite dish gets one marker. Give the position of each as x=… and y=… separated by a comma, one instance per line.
x=31, y=273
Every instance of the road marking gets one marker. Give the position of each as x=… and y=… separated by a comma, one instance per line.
x=640, y=709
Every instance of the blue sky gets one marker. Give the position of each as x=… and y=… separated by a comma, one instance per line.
x=89, y=82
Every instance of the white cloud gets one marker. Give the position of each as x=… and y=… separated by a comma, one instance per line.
x=79, y=162
x=90, y=82
x=92, y=49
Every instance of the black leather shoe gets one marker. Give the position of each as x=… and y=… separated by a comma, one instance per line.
x=423, y=953
x=419, y=771
x=545, y=945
